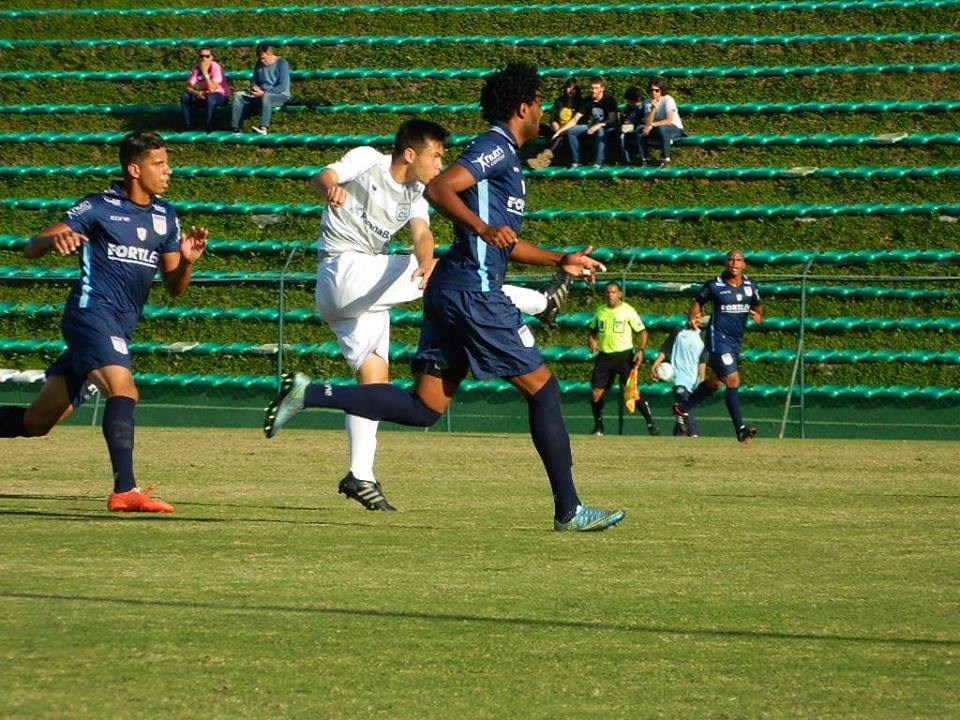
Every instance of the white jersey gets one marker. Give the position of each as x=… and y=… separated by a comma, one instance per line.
x=377, y=206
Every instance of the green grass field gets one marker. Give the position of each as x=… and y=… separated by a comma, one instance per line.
x=805, y=580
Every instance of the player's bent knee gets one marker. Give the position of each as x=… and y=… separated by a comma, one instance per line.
x=547, y=395
x=421, y=415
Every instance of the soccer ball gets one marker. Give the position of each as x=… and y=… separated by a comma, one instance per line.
x=665, y=372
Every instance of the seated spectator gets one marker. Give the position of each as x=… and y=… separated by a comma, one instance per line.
x=662, y=124
x=269, y=88
x=631, y=123
x=600, y=112
x=566, y=104
x=207, y=89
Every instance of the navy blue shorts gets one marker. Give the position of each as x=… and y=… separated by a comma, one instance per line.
x=94, y=340
x=480, y=331
x=723, y=362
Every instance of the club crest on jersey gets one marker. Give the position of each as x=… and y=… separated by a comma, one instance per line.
x=403, y=212
x=739, y=297
x=159, y=224
x=141, y=234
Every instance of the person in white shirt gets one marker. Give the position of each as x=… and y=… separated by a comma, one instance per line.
x=662, y=124
x=370, y=196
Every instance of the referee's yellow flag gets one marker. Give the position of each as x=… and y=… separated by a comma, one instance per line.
x=631, y=393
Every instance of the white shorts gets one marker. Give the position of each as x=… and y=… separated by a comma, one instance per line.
x=355, y=292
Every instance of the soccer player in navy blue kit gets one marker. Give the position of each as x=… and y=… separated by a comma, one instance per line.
x=122, y=235
x=734, y=297
x=469, y=323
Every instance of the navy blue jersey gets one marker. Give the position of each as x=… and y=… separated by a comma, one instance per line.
x=498, y=197
x=118, y=264
x=731, y=307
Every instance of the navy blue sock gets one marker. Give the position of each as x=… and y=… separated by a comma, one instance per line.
x=701, y=393
x=733, y=407
x=118, y=432
x=11, y=422
x=553, y=443
x=381, y=401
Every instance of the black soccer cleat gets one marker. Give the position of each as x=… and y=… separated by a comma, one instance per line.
x=556, y=292
x=366, y=492
x=652, y=429
x=745, y=433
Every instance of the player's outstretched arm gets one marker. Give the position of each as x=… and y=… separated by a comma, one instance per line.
x=177, y=266
x=59, y=237
x=579, y=263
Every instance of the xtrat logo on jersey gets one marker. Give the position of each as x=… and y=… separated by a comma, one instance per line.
x=79, y=209
x=132, y=254
x=488, y=160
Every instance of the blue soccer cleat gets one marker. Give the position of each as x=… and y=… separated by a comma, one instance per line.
x=287, y=403
x=589, y=519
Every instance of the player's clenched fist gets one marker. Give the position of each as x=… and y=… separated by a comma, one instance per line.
x=500, y=236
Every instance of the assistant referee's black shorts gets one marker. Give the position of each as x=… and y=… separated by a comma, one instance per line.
x=608, y=366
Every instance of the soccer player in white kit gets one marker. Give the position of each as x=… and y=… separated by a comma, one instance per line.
x=370, y=196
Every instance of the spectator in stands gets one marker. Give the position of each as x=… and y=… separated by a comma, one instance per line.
x=566, y=104
x=269, y=88
x=611, y=332
x=686, y=351
x=632, y=120
x=207, y=89
x=600, y=112
x=662, y=123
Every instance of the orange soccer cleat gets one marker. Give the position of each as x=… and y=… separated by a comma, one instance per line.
x=138, y=501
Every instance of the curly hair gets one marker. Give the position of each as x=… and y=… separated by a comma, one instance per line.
x=504, y=91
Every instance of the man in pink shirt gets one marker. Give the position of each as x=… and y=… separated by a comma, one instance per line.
x=207, y=88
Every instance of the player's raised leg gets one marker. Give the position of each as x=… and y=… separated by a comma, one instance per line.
x=51, y=406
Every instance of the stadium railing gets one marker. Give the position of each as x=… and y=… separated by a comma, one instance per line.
x=352, y=140
x=723, y=212
x=631, y=40
x=579, y=7
x=691, y=108
x=305, y=172
x=378, y=73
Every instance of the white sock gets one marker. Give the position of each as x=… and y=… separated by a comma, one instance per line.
x=362, y=439
x=528, y=301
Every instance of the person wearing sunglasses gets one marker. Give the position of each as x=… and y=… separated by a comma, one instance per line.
x=206, y=90
x=662, y=123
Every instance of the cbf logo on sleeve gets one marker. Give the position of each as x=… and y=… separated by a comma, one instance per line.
x=403, y=212
x=159, y=224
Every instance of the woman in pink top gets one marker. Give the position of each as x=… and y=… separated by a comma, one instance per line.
x=207, y=88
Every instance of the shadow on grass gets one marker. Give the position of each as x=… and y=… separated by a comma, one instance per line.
x=107, y=516
x=486, y=619
x=14, y=496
